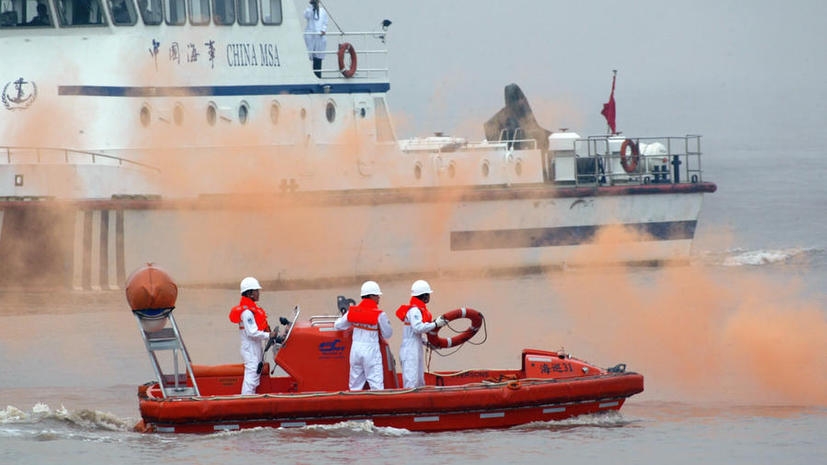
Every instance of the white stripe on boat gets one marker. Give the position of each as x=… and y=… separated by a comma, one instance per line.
x=492, y=415
x=425, y=419
x=554, y=410
x=225, y=428
x=293, y=424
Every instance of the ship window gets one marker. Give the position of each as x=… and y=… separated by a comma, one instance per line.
x=80, y=13
x=176, y=11
x=151, y=11
x=224, y=12
x=271, y=11
x=274, y=113
x=33, y=13
x=178, y=114
x=212, y=114
x=123, y=12
x=384, y=131
x=145, y=115
x=247, y=12
x=243, y=112
x=199, y=12
x=330, y=111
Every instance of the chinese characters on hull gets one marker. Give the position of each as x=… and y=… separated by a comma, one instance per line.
x=242, y=54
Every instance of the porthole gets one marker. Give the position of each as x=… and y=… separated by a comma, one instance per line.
x=452, y=170
x=418, y=170
x=212, y=113
x=146, y=115
x=303, y=113
x=274, y=113
x=485, y=168
x=243, y=112
x=330, y=111
x=178, y=114
x=518, y=167
x=363, y=112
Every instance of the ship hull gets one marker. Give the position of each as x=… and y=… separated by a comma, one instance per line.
x=430, y=408
x=308, y=238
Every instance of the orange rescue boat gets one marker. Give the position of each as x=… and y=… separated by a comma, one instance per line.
x=311, y=385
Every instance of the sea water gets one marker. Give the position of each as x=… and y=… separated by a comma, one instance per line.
x=732, y=347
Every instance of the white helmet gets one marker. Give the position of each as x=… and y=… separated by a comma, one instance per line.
x=370, y=288
x=249, y=283
x=421, y=287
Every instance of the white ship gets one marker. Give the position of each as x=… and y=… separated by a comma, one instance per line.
x=195, y=134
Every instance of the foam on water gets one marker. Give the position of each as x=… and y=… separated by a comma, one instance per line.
x=48, y=424
x=739, y=257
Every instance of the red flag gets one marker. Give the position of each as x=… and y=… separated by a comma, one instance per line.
x=609, y=107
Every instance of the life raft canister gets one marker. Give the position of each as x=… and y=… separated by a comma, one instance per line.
x=629, y=164
x=150, y=288
x=347, y=48
x=476, y=323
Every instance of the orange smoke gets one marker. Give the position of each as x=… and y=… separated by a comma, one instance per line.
x=700, y=332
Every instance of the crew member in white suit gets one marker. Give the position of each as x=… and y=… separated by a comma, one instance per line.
x=315, y=31
x=369, y=323
x=418, y=321
x=254, y=329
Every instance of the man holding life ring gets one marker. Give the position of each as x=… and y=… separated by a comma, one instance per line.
x=368, y=322
x=314, y=34
x=254, y=329
x=418, y=321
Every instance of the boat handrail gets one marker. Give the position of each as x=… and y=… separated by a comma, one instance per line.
x=419, y=144
x=671, y=159
x=322, y=320
x=372, y=60
x=51, y=155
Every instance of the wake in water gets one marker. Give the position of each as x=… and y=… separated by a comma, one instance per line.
x=44, y=424
x=741, y=257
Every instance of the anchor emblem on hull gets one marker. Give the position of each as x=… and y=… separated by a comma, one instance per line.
x=19, y=94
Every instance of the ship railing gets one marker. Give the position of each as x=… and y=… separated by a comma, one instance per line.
x=371, y=55
x=17, y=155
x=661, y=160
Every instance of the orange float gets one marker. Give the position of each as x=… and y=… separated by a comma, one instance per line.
x=469, y=313
x=347, y=48
x=629, y=164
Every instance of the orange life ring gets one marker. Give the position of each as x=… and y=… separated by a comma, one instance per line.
x=476, y=323
x=630, y=164
x=347, y=48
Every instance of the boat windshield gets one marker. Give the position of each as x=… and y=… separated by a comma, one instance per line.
x=81, y=13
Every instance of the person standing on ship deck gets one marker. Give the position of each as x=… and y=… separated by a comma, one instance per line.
x=254, y=329
x=369, y=323
x=315, y=31
x=42, y=18
x=418, y=321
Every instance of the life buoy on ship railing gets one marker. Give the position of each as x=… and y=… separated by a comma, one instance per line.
x=347, y=48
x=476, y=323
x=629, y=164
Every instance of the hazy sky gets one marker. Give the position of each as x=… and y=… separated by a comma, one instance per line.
x=741, y=73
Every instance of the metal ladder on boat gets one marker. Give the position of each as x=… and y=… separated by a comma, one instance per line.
x=169, y=338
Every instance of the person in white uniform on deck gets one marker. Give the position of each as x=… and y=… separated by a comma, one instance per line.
x=418, y=321
x=369, y=323
x=315, y=31
x=253, y=329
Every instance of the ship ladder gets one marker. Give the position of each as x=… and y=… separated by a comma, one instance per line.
x=168, y=338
